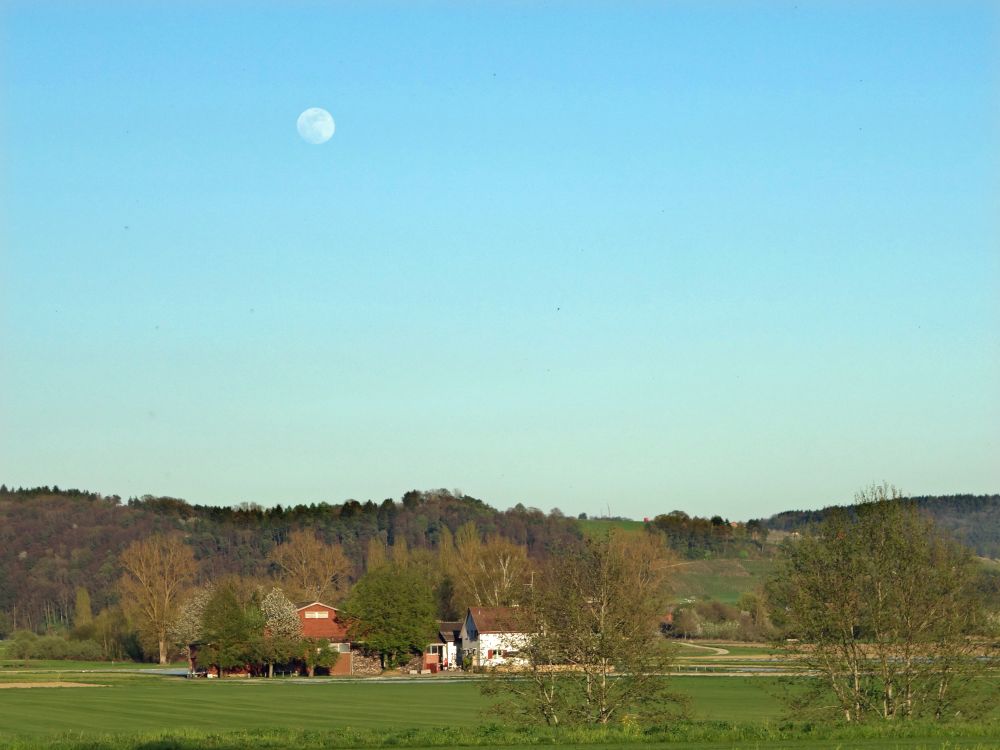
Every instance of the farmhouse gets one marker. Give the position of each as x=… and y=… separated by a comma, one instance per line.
x=492, y=636
x=323, y=621
x=443, y=653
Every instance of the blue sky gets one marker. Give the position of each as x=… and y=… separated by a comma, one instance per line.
x=724, y=257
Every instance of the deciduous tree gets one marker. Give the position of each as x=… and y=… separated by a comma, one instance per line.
x=233, y=626
x=310, y=569
x=392, y=611
x=594, y=652
x=884, y=608
x=490, y=573
x=157, y=571
x=282, y=629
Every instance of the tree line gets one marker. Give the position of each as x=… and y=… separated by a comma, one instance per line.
x=55, y=542
x=974, y=520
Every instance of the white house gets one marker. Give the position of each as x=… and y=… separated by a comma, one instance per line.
x=492, y=636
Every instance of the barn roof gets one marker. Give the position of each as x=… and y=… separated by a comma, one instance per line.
x=496, y=619
x=315, y=604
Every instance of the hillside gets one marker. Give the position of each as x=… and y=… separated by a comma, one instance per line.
x=53, y=541
x=973, y=519
x=719, y=580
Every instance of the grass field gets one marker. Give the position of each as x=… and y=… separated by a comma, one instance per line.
x=600, y=527
x=722, y=580
x=18, y=665
x=134, y=711
x=143, y=703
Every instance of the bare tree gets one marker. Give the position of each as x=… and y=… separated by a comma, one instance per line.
x=309, y=569
x=157, y=572
x=489, y=573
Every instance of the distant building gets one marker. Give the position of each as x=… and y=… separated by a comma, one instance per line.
x=493, y=636
x=323, y=621
x=443, y=654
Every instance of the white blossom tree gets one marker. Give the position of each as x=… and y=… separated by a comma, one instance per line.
x=187, y=628
x=282, y=628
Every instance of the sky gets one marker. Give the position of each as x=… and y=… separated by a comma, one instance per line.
x=612, y=257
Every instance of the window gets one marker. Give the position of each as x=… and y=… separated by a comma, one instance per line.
x=320, y=614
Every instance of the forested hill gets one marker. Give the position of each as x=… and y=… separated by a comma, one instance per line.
x=973, y=519
x=53, y=541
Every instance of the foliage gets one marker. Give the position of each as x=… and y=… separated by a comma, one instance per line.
x=887, y=607
x=187, y=627
x=686, y=735
x=317, y=652
x=83, y=615
x=392, y=611
x=54, y=540
x=697, y=538
x=974, y=520
x=593, y=652
x=27, y=645
x=282, y=637
x=233, y=626
x=748, y=620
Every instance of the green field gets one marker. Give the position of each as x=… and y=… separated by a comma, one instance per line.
x=141, y=703
x=133, y=711
x=600, y=528
x=723, y=580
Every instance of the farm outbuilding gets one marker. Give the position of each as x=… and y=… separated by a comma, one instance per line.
x=320, y=620
x=442, y=654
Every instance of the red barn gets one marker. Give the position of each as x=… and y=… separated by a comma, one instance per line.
x=323, y=621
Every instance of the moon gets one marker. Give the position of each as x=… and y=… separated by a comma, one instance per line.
x=315, y=125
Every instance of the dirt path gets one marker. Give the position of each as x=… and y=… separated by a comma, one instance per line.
x=711, y=649
x=46, y=684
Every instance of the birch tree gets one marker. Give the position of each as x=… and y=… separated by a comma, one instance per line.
x=594, y=654
x=490, y=573
x=883, y=606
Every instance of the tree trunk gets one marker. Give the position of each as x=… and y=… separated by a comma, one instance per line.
x=270, y=669
x=163, y=651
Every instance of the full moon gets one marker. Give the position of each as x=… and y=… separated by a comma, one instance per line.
x=315, y=125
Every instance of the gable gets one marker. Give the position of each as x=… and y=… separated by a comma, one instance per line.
x=469, y=632
x=322, y=621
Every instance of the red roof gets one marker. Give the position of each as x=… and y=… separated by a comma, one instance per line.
x=322, y=621
x=496, y=619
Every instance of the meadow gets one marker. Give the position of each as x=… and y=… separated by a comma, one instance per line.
x=155, y=712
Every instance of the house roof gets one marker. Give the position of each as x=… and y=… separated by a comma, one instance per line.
x=448, y=630
x=299, y=607
x=496, y=619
